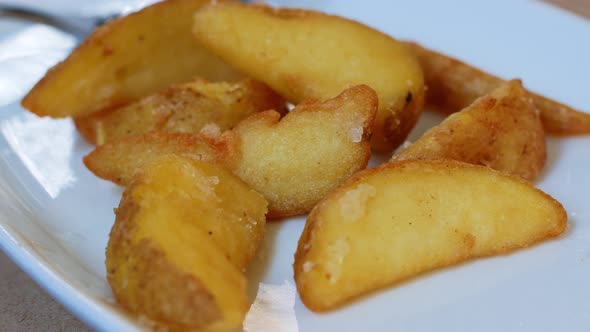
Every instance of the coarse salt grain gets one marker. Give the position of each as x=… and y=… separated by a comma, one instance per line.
x=356, y=134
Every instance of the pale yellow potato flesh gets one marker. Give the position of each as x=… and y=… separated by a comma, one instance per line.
x=405, y=218
x=185, y=231
x=453, y=85
x=126, y=59
x=501, y=130
x=294, y=162
x=298, y=160
x=306, y=54
x=182, y=108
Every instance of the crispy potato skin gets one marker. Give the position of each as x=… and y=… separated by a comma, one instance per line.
x=304, y=54
x=126, y=59
x=119, y=161
x=183, y=108
x=501, y=130
x=404, y=218
x=453, y=85
x=173, y=253
x=284, y=160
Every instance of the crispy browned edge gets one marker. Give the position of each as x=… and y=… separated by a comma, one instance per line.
x=557, y=118
x=222, y=148
x=120, y=243
x=313, y=218
x=87, y=124
x=488, y=102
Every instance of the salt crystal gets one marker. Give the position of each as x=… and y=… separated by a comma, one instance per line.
x=211, y=130
x=307, y=266
x=356, y=134
x=213, y=180
x=353, y=203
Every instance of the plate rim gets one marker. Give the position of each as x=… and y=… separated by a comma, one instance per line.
x=92, y=312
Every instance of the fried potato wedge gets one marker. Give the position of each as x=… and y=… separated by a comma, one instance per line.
x=293, y=162
x=126, y=59
x=298, y=160
x=453, y=85
x=501, y=130
x=401, y=219
x=184, y=232
x=306, y=54
x=120, y=160
x=183, y=108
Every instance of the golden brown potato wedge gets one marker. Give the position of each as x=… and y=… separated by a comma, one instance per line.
x=184, y=232
x=401, y=219
x=453, y=85
x=501, y=130
x=183, y=108
x=126, y=59
x=306, y=54
x=120, y=160
x=293, y=162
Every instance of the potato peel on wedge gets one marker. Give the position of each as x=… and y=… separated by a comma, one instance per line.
x=184, y=232
x=404, y=218
x=501, y=130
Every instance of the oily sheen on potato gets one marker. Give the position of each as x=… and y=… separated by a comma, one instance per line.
x=184, y=232
x=306, y=54
x=294, y=161
x=183, y=108
x=453, y=85
x=126, y=59
x=501, y=130
x=404, y=218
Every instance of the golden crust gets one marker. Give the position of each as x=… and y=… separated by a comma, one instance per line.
x=501, y=130
x=120, y=160
x=184, y=233
x=126, y=59
x=284, y=159
x=416, y=216
x=126, y=258
x=183, y=108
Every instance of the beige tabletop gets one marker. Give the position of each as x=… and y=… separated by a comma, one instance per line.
x=25, y=307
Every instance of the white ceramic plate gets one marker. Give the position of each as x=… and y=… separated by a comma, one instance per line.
x=55, y=216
